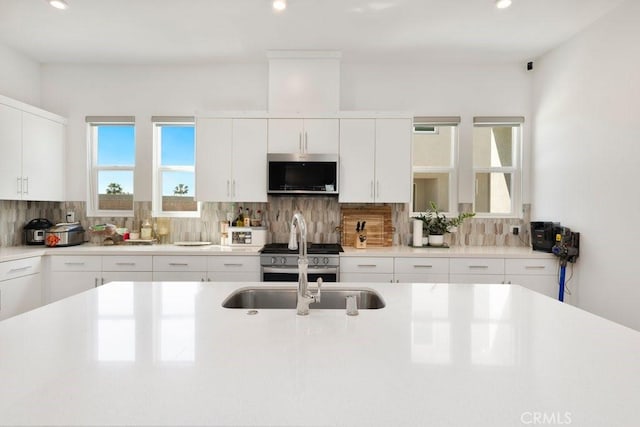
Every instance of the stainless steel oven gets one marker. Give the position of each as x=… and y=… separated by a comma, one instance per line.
x=278, y=264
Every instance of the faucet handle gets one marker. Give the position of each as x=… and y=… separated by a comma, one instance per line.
x=352, y=305
x=316, y=297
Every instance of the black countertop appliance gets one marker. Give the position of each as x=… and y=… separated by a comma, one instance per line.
x=543, y=235
x=34, y=231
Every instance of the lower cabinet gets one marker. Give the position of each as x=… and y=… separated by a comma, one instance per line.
x=20, y=286
x=417, y=270
x=366, y=269
x=180, y=268
x=72, y=274
x=216, y=268
x=540, y=275
x=226, y=268
x=476, y=270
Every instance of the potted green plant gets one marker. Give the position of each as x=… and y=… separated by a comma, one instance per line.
x=436, y=224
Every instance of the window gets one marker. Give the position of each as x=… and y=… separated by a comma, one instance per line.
x=112, y=152
x=174, y=167
x=496, y=165
x=434, y=163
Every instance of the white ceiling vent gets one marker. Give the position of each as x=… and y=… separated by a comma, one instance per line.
x=304, y=81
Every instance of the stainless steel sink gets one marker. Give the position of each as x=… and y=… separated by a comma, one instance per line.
x=285, y=297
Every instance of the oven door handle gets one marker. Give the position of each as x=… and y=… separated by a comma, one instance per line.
x=294, y=270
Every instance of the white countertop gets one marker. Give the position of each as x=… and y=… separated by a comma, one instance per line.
x=437, y=354
x=18, y=252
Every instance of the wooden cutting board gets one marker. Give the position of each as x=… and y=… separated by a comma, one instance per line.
x=378, y=228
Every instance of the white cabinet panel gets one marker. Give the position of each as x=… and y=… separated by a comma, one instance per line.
x=296, y=135
x=421, y=278
x=11, y=158
x=179, y=263
x=531, y=266
x=63, y=284
x=366, y=277
x=415, y=265
x=375, y=160
x=233, y=263
x=233, y=276
x=544, y=284
x=477, y=266
x=357, y=160
x=127, y=263
x=21, y=267
x=231, y=160
x=366, y=265
x=476, y=278
x=76, y=263
x=20, y=295
x=179, y=276
x=43, y=158
x=393, y=161
x=126, y=276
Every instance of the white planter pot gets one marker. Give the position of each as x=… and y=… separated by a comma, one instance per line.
x=436, y=240
x=425, y=240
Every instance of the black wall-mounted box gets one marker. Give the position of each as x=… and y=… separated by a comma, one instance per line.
x=543, y=235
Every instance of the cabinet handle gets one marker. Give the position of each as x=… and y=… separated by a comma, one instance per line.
x=202, y=279
x=102, y=281
x=228, y=188
x=534, y=267
x=74, y=263
x=367, y=265
x=422, y=266
x=16, y=270
x=0, y=299
x=232, y=265
x=19, y=188
x=95, y=282
x=478, y=266
x=25, y=183
x=306, y=142
x=125, y=263
x=233, y=188
x=372, y=189
x=377, y=188
x=179, y=264
x=300, y=142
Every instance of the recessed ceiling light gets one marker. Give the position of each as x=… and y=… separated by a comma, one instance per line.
x=279, y=4
x=503, y=4
x=59, y=4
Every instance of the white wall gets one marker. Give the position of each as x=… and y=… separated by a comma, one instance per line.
x=76, y=91
x=586, y=154
x=19, y=76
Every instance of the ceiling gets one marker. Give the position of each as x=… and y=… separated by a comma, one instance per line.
x=210, y=31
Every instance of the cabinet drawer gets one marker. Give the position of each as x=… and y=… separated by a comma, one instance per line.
x=412, y=265
x=76, y=263
x=233, y=263
x=179, y=263
x=528, y=266
x=127, y=263
x=19, y=268
x=476, y=266
x=366, y=265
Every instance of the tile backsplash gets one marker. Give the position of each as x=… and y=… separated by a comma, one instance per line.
x=322, y=215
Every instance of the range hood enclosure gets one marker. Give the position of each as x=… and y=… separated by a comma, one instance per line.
x=304, y=82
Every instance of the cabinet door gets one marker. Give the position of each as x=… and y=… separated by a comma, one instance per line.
x=249, y=180
x=366, y=277
x=43, y=159
x=421, y=278
x=357, y=157
x=126, y=276
x=63, y=284
x=213, y=160
x=179, y=276
x=544, y=284
x=20, y=295
x=11, y=158
x=285, y=136
x=393, y=161
x=477, y=278
x=321, y=136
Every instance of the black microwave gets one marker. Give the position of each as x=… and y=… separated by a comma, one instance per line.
x=289, y=173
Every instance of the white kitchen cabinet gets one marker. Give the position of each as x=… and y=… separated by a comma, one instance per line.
x=375, y=160
x=476, y=270
x=366, y=269
x=20, y=286
x=231, y=159
x=421, y=270
x=72, y=274
x=127, y=268
x=32, y=164
x=232, y=268
x=540, y=275
x=169, y=268
x=306, y=135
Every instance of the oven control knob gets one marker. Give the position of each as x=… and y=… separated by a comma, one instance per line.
x=315, y=260
x=283, y=260
x=273, y=260
x=325, y=260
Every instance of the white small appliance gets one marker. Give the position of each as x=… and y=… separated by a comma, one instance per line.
x=247, y=236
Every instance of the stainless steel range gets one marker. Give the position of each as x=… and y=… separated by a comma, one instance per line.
x=279, y=264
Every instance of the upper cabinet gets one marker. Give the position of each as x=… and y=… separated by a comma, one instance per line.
x=231, y=159
x=32, y=165
x=304, y=135
x=375, y=160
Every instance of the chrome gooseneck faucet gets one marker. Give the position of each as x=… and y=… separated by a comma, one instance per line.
x=305, y=297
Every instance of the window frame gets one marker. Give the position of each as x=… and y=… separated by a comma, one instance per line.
x=156, y=203
x=93, y=192
x=515, y=170
x=452, y=169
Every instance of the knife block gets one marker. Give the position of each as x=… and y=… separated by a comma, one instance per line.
x=360, y=241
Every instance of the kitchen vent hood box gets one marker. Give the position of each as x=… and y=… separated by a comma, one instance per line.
x=304, y=81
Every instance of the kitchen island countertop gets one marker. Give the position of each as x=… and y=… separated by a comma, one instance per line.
x=448, y=355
